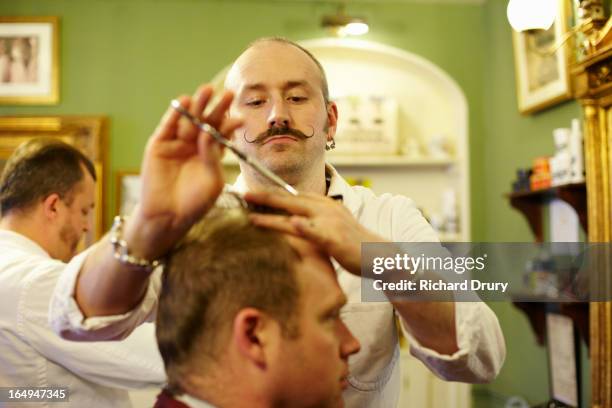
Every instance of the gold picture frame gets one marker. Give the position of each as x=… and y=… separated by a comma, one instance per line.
x=29, y=60
x=127, y=191
x=87, y=133
x=592, y=86
x=128, y=185
x=542, y=76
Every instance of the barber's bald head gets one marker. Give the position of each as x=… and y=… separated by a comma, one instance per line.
x=261, y=47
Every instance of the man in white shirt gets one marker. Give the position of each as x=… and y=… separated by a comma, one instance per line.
x=287, y=123
x=249, y=317
x=46, y=195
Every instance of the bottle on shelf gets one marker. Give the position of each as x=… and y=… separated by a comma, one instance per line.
x=577, y=152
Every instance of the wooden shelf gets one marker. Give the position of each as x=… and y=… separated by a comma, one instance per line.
x=536, y=313
x=531, y=203
x=371, y=161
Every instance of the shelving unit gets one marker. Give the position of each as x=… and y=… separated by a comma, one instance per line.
x=531, y=204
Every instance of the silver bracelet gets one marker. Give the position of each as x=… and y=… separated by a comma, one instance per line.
x=121, y=251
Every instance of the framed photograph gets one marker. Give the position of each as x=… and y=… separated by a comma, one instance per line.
x=87, y=133
x=127, y=191
x=542, y=76
x=128, y=186
x=29, y=61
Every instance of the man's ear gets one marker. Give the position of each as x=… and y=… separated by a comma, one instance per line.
x=50, y=206
x=332, y=120
x=254, y=333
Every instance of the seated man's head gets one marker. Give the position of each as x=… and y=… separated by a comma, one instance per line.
x=250, y=317
x=47, y=191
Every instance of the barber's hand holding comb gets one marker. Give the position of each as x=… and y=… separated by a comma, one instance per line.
x=325, y=222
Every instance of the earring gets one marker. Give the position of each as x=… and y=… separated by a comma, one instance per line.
x=331, y=146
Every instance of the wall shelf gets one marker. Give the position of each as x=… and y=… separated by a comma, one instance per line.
x=531, y=204
x=536, y=312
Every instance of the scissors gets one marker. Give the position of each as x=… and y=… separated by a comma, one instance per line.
x=263, y=170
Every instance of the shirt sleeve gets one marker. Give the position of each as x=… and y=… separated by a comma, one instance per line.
x=132, y=363
x=67, y=320
x=408, y=223
x=482, y=349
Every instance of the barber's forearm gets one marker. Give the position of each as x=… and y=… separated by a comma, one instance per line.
x=428, y=316
x=431, y=323
x=106, y=286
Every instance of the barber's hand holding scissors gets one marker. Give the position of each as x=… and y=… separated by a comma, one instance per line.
x=181, y=173
x=181, y=179
x=321, y=220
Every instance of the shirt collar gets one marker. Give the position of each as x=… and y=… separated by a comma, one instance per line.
x=239, y=185
x=22, y=241
x=193, y=402
x=337, y=186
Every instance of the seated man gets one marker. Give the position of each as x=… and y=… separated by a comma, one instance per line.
x=46, y=195
x=249, y=317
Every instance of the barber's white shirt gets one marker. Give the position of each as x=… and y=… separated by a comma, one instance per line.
x=375, y=371
x=31, y=355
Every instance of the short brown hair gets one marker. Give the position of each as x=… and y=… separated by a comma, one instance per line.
x=38, y=168
x=223, y=265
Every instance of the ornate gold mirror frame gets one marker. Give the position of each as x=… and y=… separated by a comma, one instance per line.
x=592, y=84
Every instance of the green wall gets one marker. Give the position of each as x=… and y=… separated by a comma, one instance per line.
x=511, y=141
x=128, y=58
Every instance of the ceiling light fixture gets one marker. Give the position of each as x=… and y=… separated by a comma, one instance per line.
x=342, y=25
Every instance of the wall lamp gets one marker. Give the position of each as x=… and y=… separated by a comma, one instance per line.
x=525, y=15
x=532, y=15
